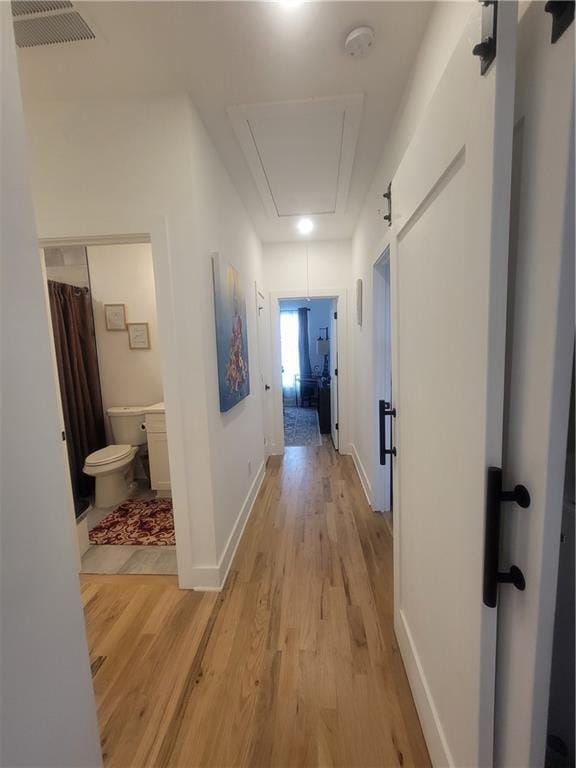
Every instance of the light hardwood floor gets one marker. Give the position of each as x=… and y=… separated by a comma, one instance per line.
x=295, y=663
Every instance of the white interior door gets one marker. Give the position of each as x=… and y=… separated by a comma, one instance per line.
x=539, y=367
x=382, y=491
x=334, y=374
x=450, y=204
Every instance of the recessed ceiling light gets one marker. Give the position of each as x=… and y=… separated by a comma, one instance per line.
x=305, y=226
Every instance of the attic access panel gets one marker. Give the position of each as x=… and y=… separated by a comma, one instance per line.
x=300, y=153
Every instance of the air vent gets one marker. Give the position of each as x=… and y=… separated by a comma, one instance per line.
x=52, y=29
x=29, y=7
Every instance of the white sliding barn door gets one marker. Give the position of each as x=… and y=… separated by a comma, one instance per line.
x=450, y=207
x=539, y=368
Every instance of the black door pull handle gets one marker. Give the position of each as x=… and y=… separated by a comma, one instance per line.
x=385, y=409
x=495, y=496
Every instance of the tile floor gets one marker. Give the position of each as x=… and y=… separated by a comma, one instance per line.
x=123, y=559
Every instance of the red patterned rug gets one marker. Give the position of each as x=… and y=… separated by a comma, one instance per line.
x=148, y=523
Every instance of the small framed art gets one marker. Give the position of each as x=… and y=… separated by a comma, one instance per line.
x=138, y=335
x=115, y=315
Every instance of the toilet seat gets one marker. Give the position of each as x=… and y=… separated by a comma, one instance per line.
x=108, y=455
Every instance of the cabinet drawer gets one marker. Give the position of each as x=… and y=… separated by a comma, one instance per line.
x=155, y=422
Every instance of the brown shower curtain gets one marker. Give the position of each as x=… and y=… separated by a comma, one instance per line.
x=77, y=361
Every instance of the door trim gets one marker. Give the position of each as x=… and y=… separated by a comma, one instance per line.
x=380, y=500
x=340, y=294
x=173, y=395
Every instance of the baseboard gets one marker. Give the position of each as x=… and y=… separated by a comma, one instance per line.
x=236, y=534
x=212, y=578
x=367, y=488
x=429, y=719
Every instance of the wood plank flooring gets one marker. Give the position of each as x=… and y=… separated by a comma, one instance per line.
x=295, y=663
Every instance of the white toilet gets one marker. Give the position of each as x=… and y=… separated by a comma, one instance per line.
x=112, y=467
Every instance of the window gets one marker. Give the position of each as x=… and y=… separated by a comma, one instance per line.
x=289, y=347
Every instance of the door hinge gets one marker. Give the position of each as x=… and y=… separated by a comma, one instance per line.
x=486, y=50
x=335, y=371
x=63, y=436
x=388, y=196
x=336, y=426
x=335, y=315
x=562, y=12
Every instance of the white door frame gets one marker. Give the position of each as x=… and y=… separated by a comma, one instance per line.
x=382, y=356
x=173, y=396
x=334, y=398
x=277, y=444
x=263, y=360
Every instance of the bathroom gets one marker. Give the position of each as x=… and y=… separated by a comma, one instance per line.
x=103, y=310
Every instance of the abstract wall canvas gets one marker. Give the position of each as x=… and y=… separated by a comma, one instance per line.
x=231, y=334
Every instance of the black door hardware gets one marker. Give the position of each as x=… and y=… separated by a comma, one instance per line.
x=388, y=196
x=266, y=387
x=494, y=498
x=486, y=50
x=562, y=12
x=385, y=409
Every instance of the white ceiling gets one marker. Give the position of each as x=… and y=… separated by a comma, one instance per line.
x=300, y=153
x=239, y=60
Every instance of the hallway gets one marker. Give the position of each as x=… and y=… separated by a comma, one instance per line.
x=263, y=673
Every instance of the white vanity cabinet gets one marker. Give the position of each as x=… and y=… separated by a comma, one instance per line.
x=158, y=450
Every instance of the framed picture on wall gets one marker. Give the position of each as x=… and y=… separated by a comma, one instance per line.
x=138, y=335
x=115, y=315
x=231, y=334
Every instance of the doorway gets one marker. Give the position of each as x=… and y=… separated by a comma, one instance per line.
x=382, y=492
x=305, y=353
x=103, y=314
x=320, y=391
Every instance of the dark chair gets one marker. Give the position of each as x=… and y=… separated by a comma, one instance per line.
x=308, y=386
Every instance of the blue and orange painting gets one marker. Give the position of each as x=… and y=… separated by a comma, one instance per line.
x=231, y=334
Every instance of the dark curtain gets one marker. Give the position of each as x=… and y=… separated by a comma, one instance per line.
x=304, y=343
x=77, y=361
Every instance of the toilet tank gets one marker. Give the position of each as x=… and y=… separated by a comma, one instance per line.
x=127, y=424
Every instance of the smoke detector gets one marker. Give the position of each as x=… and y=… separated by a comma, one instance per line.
x=359, y=42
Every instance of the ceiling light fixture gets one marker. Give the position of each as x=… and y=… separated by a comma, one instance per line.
x=290, y=4
x=305, y=226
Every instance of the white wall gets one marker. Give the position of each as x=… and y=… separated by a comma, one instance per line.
x=47, y=708
x=148, y=166
x=329, y=265
x=444, y=28
x=124, y=274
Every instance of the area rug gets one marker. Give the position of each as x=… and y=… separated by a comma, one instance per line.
x=301, y=427
x=136, y=521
